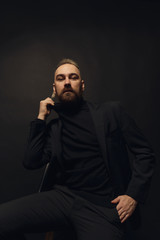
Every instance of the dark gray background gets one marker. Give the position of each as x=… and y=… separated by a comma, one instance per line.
x=117, y=47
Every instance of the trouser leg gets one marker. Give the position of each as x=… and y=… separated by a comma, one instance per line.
x=39, y=212
x=94, y=222
x=56, y=210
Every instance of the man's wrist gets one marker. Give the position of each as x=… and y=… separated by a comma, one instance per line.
x=41, y=117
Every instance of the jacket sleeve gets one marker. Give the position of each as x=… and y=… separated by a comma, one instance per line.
x=38, y=150
x=143, y=157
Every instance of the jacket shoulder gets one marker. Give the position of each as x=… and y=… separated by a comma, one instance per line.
x=110, y=106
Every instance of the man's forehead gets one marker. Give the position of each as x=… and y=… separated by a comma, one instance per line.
x=66, y=69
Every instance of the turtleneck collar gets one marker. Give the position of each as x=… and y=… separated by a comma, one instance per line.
x=73, y=108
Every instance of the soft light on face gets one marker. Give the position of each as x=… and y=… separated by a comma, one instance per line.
x=68, y=85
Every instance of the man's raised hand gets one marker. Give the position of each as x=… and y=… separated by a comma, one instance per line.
x=44, y=109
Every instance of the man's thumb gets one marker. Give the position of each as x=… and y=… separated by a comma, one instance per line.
x=116, y=200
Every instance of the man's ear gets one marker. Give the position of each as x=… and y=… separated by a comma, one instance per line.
x=83, y=85
x=54, y=88
x=54, y=91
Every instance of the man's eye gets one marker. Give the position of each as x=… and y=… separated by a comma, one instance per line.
x=60, y=78
x=74, y=77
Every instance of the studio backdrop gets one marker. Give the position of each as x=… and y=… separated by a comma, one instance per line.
x=117, y=48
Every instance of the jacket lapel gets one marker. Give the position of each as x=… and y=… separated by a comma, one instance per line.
x=98, y=119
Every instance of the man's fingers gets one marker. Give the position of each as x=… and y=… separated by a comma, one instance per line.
x=122, y=215
x=121, y=211
x=49, y=101
x=45, y=103
x=124, y=218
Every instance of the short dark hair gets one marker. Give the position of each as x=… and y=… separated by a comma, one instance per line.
x=67, y=61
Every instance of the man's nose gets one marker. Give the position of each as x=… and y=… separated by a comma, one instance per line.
x=67, y=81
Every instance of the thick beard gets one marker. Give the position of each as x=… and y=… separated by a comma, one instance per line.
x=70, y=100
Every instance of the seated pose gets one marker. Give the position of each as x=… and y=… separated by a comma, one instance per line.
x=94, y=186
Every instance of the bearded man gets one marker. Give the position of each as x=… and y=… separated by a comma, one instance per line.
x=93, y=191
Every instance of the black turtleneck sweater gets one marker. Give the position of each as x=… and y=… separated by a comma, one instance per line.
x=85, y=170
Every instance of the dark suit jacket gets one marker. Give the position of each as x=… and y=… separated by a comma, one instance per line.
x=117, y=135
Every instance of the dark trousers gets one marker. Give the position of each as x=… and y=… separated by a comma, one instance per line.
x=59, y=210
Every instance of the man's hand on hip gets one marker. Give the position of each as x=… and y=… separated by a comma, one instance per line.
x=125, y=206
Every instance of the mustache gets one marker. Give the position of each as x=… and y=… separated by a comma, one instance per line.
x=67, y=90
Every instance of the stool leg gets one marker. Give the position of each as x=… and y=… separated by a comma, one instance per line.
x=49, y=236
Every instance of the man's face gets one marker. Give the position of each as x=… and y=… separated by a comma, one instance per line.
x=68, y=85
